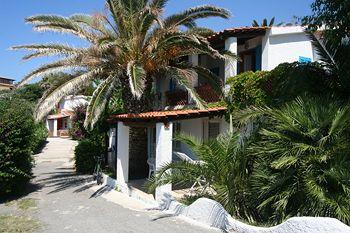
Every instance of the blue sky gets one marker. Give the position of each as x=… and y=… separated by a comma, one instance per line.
x=15, y=32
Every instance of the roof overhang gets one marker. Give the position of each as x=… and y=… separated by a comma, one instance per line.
x=167, y=116
x=241, y=32
x=62, y=114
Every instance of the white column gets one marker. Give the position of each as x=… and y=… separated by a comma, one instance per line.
x=47, y=125
x=55, y=128
x=193, y=59
x=122, y=154
x=111, y=141
x=231, y=66
x=265, y=52
x=164, y=150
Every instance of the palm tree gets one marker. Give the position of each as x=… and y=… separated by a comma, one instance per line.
x=303, y=159
x=264, y=23
x=335, y=58
x=220, y=173
x=129, y=49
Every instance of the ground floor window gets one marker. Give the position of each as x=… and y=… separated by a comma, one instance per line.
x=213, y=129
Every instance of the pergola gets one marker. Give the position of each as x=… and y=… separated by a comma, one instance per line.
x=163, y=121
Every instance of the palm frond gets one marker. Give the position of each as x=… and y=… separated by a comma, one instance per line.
x=48, y=50
x=60, y=65
x=137, y=77
x=99, y=100
x=187, y=18
x=183, y=77
x=70, y=87
x=60, y=24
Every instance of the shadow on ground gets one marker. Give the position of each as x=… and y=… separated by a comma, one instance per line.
x=66, y=178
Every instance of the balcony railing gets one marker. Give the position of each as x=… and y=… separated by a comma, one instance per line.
x=180, y=97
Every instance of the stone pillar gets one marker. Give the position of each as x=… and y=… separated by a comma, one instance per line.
x=54, y=128
x=164, y=150
x=231, y=66
x=122, y=153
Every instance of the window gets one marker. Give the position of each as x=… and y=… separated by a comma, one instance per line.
x=213, y=130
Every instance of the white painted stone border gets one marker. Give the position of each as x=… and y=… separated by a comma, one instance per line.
x=211, y=214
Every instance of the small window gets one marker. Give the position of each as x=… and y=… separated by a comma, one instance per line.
x=214, y=130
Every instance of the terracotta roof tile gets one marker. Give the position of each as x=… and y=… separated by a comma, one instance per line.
x=239, y=31
x=172, y=114
x=62, y=114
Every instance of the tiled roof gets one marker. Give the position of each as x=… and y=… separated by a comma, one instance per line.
x=240, y=31
x=159, y=116
x=62, y=114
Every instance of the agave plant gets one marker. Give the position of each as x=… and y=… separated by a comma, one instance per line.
x=221, y=172
x=303, y=159
x=129, y=49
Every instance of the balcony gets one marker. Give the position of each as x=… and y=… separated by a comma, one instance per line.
x=180, y=97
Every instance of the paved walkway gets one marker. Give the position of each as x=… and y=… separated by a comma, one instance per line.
x=67, y=204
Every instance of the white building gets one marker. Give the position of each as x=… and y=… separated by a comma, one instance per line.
x=59, y=123
x=260, y=48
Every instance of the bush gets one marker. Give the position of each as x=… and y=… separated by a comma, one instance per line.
x=17, y=133
x=276, y=87
x=78, y=131
x=85, y=152
x=39, y=137
x=249, y=88
x=301, y=160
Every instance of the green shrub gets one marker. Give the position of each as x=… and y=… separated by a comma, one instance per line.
x=290, y=80
x=17, y=132
x=302, y=160
x=248, y=88
x=276, y=87
x=39, y=137
x=85, y=152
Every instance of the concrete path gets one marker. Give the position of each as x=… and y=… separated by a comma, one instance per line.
x=67, y=203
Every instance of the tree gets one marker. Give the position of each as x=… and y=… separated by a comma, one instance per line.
x=335, y=59
x=332, y=17
x=221, y=172
x=264, y=23
x=130, y=49
x=302, y=159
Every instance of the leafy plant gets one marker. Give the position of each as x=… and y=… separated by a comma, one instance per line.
x=16, y=145
x=332, y=17
x=221, y=172
x=278, y=86
x=84, y=155
x=77, y=130
x=248, y=88
x=302, y=165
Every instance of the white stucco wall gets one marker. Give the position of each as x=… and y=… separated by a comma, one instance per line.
x=198, y=128
x=70, y=102
x=164, y=152
x=285, y=44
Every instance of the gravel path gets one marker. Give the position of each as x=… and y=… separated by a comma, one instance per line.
x=65, y=203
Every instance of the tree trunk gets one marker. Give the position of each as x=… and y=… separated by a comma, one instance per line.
x=138, y=167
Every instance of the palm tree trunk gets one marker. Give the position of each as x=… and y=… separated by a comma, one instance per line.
x=138, y=167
